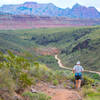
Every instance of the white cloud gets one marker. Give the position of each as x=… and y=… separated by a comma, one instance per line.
x=98, y=9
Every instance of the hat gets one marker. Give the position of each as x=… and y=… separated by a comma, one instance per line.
x=78, y=63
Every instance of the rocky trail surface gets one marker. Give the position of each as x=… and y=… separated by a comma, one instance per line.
x=58, y=93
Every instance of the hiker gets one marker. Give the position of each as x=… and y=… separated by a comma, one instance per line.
x=77, y=70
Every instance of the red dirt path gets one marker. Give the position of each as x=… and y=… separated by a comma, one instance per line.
x=58, y=93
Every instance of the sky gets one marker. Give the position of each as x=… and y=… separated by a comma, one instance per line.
x=59, y=3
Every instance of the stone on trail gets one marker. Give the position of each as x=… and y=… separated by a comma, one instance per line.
x=33, y=90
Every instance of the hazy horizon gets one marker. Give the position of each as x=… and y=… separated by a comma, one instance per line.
x=61, y=4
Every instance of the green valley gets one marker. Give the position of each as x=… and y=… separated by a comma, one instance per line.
x=74, y=43
x=31, y=62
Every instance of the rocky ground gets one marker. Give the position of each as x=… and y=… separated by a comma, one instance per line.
x=57, y=92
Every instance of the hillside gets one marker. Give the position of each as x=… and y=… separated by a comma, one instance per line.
x=26, y=79
x=42, y=9
x=72, y=43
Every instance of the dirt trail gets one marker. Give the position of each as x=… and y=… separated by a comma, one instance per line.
x=62, y=66
x=60, y=63
x=59, y=93
x=64, y=94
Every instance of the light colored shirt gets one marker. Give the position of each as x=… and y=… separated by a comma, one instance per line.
x=78, y=68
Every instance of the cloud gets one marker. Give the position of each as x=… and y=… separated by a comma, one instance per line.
x=98, y=9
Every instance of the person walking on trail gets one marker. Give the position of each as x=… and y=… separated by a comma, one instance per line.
x=77, y=70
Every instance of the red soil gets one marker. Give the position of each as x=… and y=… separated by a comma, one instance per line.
x=58, y=93
x=47, y=51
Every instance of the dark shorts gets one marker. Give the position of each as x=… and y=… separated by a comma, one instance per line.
x=78, y=77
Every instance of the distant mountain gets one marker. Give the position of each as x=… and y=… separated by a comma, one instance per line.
x=33, y=8
x=3, y=13
x=79, y=11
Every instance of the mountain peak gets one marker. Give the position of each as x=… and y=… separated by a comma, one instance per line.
x=30, y=3
x=49, y=9
x=50, y=3
x=92, y=8
x=77, y=5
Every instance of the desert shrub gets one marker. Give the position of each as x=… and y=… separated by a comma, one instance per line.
x=18, y=69
x=1, y=57
x=48, y=76
x=7, y=84
x=90, y=94
x=59, y=75
x=55, y=82
x=6, y=81
x=25, y=80
x=98, y=89
x=35, y=96
x=86, y=91
x=41, y=72
x=87, y=81
x=92, y=98
x=96, y=76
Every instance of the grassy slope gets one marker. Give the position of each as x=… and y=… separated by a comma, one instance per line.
x=19, y=41
x=90, y=55
x=9, y=40
x=63, y=38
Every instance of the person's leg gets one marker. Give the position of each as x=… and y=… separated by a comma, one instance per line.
x=79, y=83
x=76, y=83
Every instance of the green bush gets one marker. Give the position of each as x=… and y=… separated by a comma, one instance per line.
x=6, y=81
x=41, y=72
x=96, y=76
x=18, y=69
x=25, y=80
x=88, y=81
x=90, y=93
x=35, y=96
x=98, y=89
x=92, y=98
x=55, y=82
x=87, y=92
